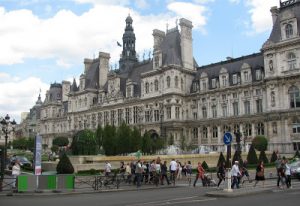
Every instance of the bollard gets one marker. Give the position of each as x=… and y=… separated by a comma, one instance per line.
x=228, y=189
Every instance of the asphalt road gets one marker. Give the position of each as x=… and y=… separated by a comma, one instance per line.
x=180, y=196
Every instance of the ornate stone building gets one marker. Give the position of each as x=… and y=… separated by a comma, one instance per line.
x=170, y=95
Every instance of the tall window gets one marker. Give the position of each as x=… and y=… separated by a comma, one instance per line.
x=195, y=115
x=296, y=126
x=291, y=59
x=289, y=31
x=294, y=97
x=247, y=107
x=120, y=118
x=235, y=106
x=224, y=110
x=147, y=88
x=226, y=128
x=215, y=132
x=274, y=127
x=236, y=128
x=135, y=114
x=204, y=85
x=204, y=112
x=168, y=81
x=147, y=116
x=195, y=133
x=112, y=117
x=127, y=115
x=224, y=81
x=213, y=83
x=156, y=115
x=177, y=112
x=156, y=85
x=234, y=79
x=248, y=130
x=260, y=129
x=246, y=76
x=168, y=112
x=204, y=132
x=106, y=115
x=259, y=107
x=258, y=74
x=214, y=111
x=176, y=81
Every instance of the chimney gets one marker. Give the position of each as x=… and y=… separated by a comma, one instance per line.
x=103, y=68
x=158, y=37
x=87, y=64
x=186, y=43
x=274, y=11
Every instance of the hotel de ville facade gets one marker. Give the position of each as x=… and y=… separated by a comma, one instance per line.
x=170, y=95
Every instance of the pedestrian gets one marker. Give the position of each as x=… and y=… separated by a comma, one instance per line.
x=152, y=171
x=189, y=172
x=200, y=174
x=278, y=169
x=179, y=171
x=173, y=168
x=138, y=173
x=16, y=171
x=287, y=174
x=245, y=171
x=235, y=173
x=164, y=171
x=128, y=173
x=157, y=171
x=221, y=173
x=107, y=169
x=260, y=175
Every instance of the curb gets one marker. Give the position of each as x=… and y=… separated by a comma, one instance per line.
x=237, y=193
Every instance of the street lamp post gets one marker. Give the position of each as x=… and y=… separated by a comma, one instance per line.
x=244, y=139
x=7, y=128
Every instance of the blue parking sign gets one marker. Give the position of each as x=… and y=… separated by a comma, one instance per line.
x=227, y=138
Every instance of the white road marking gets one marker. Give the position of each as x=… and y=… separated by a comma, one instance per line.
x=174, y=201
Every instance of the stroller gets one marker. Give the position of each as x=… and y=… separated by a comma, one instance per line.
x=208, y=181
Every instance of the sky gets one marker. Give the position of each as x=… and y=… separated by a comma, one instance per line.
x=46, y=41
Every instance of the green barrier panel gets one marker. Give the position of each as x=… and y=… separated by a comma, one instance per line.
x=70, y=182
x=22, y=183
x=51, y=182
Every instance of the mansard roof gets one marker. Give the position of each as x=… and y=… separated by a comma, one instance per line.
x=171, y=48
x=294, y=7
x=92, y=76
x=233, y=66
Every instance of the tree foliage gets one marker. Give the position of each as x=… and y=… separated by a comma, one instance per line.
x=24, y=143
x=64, y=165
x=109, y=140
x=263, y=157
x=221, y=159
x=99, y=137
x=252, y=157
x=273, y=157
x=237, y=157
x=84, y=143
x=260, y=143
x=60, y=141
x=205, y=166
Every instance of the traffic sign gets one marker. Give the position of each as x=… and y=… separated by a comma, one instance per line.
x=227, y=138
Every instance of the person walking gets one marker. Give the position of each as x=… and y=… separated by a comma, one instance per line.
x=107, y=169
x=179, y=171
x=200, y=174
x=164, y=171
x=189, y=172
x=278, y=169
x=287, y=172
x=138, y=173
x=173, y=168
x=235, y=173
x=128, y=173
x=16, y=171
x=245, y=171
x=221, y=173
x=260, y=174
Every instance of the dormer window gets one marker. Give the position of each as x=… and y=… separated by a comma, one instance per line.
x=246, y=76
x=224, y=81
x=291, y=59
x=234, y=79
x=213, y=83
x=204, y=85
x=194, y=86
x=288, y=31
x=258, y=74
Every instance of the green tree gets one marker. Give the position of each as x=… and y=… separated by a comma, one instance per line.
x=263, y=157
x=30, y=144
x=54, y=148
x=84, y=143
x=205, y=166
x=252, y=157
x=99, y=137
x=109, y=140
x=64, y=165
x=221, y=159
x=273, y=157
x=60, y=141
x=136, y=140
x=146, y=143
x=237, y=157
x=260, y=143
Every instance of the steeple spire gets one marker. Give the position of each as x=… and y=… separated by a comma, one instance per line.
x=128, y=53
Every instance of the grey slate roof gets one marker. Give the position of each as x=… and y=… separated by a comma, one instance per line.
x=171, y=49
x=276, y=31
x=233, y=66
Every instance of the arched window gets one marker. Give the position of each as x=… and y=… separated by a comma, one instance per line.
x=288, y=31
x=176, y=81
x=204, y=132
x=156, y=85
x=147, y=88
x=291, y=59
x=168, y=81
x=294, y=97
x=151, y=87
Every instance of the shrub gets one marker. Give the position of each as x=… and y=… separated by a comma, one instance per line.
x=64, y=165
x=205, y=166
x=60, y=141
x=252, y=157
x=237, y=157
x=273, y=157
x=221, y=159
x=260, y=143
x=263, y=157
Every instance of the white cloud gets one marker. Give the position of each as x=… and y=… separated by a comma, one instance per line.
x=68, y=38
x=109, y=2
x=193, y=12
x=17, y=95
x=203, y=1
x=234, y=1
x=142, y=4
x=261, y=19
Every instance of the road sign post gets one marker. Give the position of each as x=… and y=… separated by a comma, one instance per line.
x=227, y=138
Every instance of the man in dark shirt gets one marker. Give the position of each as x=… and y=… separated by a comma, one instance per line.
x=164, y=171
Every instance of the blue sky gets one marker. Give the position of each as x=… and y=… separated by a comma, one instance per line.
x=45, y=41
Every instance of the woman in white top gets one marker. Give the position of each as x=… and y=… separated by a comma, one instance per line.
x=179, y=171
x=287, y=172
x=16, y=171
